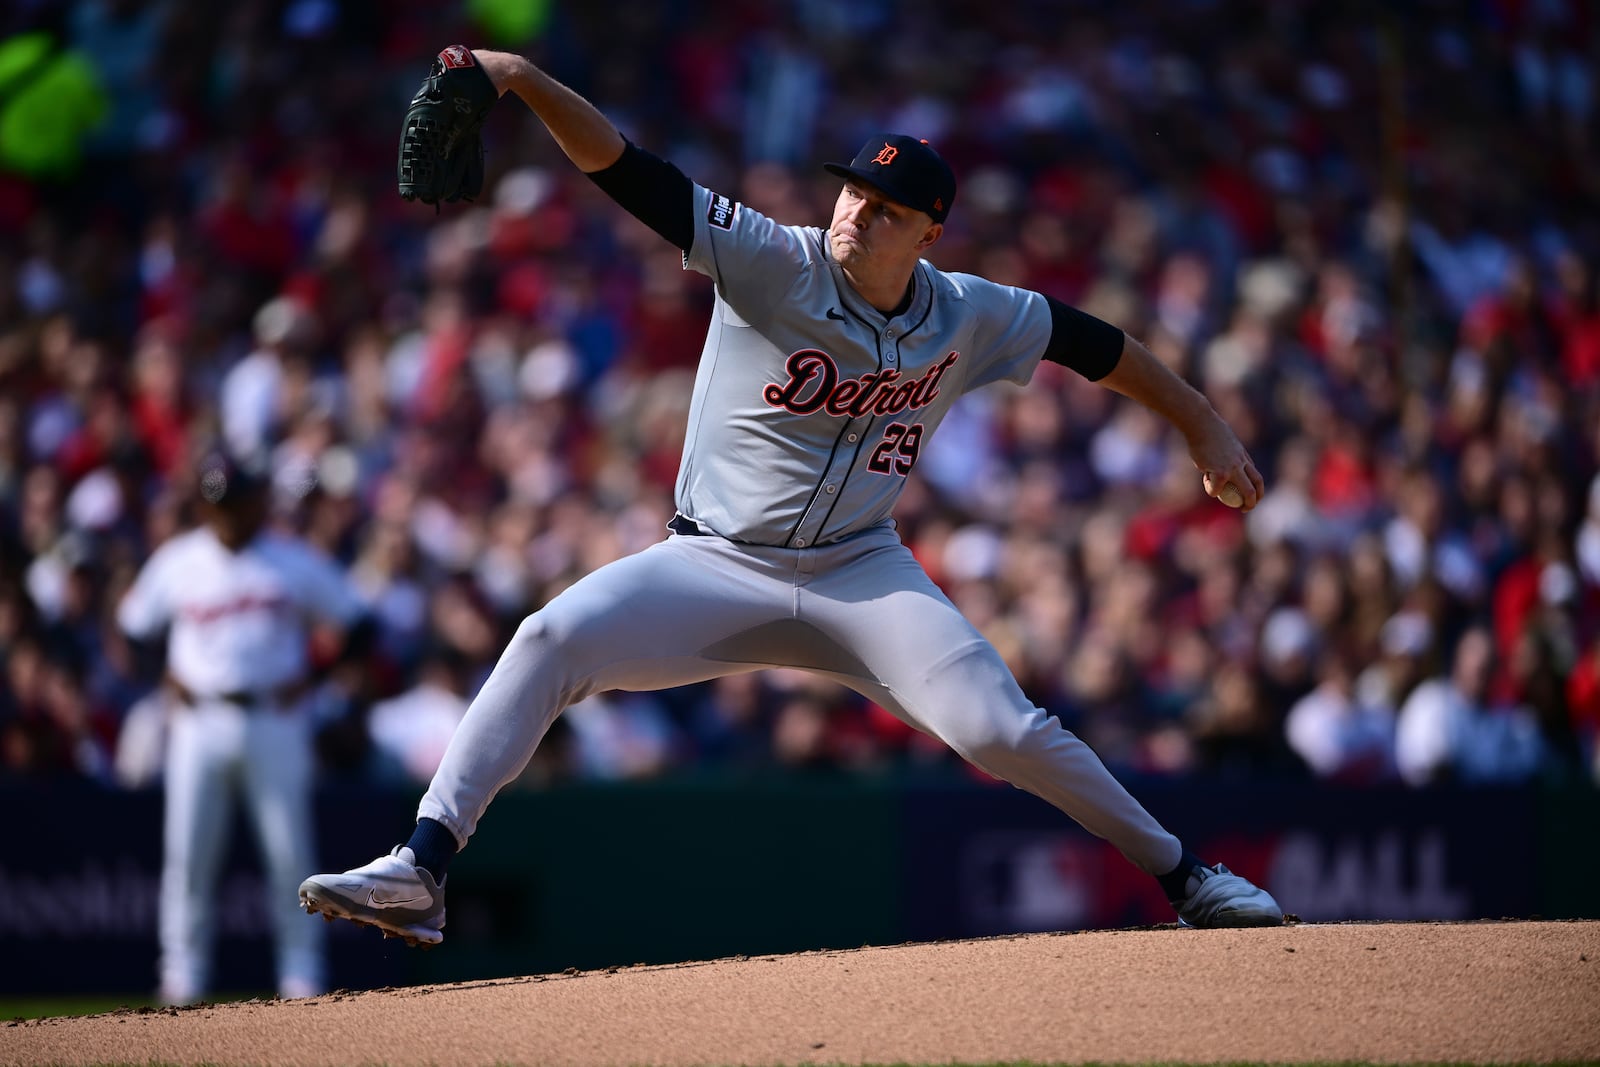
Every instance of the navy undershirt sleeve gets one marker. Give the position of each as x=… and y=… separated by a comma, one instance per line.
x=1081, y=342
x=653, y=191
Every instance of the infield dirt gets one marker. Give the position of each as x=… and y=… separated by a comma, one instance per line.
x=1403, y=992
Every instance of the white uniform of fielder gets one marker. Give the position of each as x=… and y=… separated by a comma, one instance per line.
x=236, y=624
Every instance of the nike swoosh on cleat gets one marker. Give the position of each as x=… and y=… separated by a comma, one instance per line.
x=372, y=899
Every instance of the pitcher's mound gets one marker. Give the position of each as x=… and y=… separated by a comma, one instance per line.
x=1474, y=992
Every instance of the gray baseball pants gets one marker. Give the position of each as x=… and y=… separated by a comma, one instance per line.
x=861, y=611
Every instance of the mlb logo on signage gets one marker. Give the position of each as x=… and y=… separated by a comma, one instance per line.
x=1020, y=881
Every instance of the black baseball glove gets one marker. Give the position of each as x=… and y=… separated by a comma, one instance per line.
x=441, y=152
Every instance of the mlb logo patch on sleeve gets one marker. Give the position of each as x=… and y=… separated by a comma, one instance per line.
x=721, y=211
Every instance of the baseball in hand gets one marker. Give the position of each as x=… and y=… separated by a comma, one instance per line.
x=1229, y=494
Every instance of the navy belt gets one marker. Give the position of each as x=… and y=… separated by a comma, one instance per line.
x=279, y=698
x=683, y=524
x=246, y=698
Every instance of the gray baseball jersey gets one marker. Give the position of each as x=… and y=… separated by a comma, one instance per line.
x=810, y=405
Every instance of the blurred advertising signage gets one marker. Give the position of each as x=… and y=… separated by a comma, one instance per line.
x=999, y=862
x=1060, y=881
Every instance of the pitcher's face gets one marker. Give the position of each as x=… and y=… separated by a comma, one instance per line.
x=870, y=230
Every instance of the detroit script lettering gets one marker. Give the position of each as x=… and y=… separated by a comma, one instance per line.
x=814, y=385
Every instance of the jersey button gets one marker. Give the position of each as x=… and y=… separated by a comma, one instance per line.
x=800, y=542
x=831, y=488
x=852, y=438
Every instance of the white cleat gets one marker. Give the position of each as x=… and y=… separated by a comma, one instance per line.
x=391, y=893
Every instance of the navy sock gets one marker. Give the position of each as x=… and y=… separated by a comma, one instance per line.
x=434, y=845
x=1176, y=881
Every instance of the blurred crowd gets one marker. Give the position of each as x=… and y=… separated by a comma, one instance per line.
x=1366, y=231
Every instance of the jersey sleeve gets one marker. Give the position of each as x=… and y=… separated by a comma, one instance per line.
x=753, y=260
x=1012, y=332
x=146, y=608
x=325, y=589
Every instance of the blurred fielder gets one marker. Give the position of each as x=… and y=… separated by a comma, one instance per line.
x=235, y=601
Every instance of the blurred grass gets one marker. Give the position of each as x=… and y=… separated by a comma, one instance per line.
x=95, y=1004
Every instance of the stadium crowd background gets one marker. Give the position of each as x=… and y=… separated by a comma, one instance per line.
x=1373, y=243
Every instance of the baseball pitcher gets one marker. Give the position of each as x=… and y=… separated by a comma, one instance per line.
x=832, y=355
x=234, y=602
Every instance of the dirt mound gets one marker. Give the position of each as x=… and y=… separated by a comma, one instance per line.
x=1524, y=991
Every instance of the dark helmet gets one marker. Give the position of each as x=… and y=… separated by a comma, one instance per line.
x=226, y=478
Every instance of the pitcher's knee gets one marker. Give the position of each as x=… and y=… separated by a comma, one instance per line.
x=533, y=630
x=541, y=637
x=994, y=743
x=567, y=626
x=549, y=660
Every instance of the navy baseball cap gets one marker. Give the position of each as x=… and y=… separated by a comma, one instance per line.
x=907, y=170
x=226, y=477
